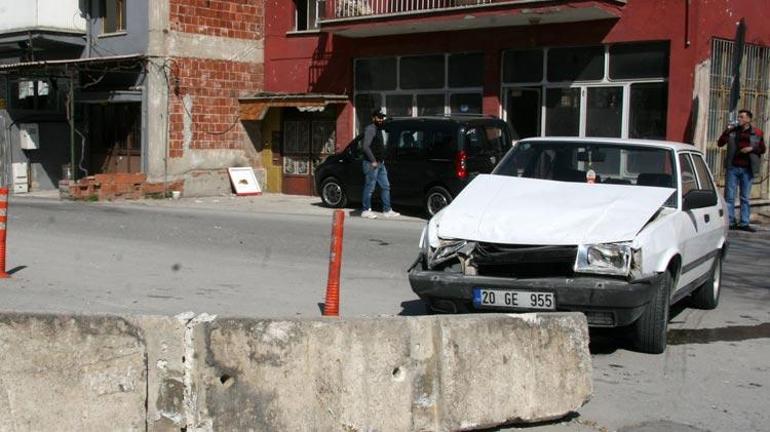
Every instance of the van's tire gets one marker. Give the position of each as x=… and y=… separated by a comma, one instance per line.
x=333, y=193
x=707, y=295
x=436, y=199
x=651, y=328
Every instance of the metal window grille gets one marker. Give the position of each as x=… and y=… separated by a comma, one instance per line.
x=369, y=8
x=755, y=90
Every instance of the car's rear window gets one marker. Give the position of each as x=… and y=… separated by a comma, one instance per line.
x=590, y=163
x=489, y=138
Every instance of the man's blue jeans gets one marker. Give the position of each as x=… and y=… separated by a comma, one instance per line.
x=738, y=177
x=376, y=176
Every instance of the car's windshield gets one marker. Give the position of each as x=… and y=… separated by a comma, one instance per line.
x=591, y=163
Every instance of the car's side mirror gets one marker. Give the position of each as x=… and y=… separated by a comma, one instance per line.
x=699, y=198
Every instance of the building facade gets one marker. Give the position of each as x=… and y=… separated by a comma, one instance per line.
x=609, y=68
x=129, y=97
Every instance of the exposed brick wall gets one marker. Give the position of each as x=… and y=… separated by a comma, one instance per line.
x=214, y=87
x=240, y=19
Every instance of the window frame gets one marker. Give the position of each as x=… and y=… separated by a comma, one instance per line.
x=544, y=85
x=307, y=25
x=121, y=10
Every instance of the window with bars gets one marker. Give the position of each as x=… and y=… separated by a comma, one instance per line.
x=755, y=91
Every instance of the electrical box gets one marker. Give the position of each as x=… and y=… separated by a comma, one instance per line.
x=20, y=171
x=30, y=136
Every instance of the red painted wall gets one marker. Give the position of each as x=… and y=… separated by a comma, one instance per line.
x=323, y=63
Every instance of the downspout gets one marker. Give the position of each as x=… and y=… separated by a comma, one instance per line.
x=71, y=119
x=89, y=27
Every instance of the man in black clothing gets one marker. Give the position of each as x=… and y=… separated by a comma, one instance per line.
x=375, y=172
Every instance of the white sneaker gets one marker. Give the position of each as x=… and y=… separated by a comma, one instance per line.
x=368, y=214
x=391, y=214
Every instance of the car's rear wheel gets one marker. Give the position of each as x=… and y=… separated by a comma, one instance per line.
x=707, y=296
x=333, y=193
x=436, y=199
x=651, y=328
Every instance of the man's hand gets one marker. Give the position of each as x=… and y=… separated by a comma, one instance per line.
x=747, y=149
x=374, y=164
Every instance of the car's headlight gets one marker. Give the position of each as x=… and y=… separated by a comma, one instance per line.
x=604, y=258
x=446, y=250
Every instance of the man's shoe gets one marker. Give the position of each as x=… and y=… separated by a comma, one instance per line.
x=733, y=226
x=747, y=228
x=391, y=214
x=368, y=214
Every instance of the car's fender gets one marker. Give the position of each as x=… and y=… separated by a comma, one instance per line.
x=660, y=242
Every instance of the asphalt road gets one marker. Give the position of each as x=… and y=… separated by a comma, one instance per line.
x=168, y=257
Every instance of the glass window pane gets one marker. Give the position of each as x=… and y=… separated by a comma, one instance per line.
x=431, y=104
x=443, y=145
x=466, y=70
x=523, y=66
x=410, y=143
x=648, y=111
x=648, y=60
x=703, y=173
x=398, y=105
x=576, y=64
x=376, y=74
x=605, y=112
x=422, y=72
x=688, y=174
x=365, y=105
x=562, y=112
x=465, y=103
x=523, y=112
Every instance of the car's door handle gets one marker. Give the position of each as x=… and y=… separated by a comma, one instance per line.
x=721, y=212
x=707, y=218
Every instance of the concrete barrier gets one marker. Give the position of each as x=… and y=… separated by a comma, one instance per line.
x=201, y=373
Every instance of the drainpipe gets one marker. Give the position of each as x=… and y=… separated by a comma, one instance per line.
x=71, y=119
x=89, y=27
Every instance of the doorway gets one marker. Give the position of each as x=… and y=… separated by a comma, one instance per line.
x=523, y=112
x=308, y=138
x=115, y=138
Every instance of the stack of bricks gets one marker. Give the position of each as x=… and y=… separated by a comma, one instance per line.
x=108, y=187
x=209, y=85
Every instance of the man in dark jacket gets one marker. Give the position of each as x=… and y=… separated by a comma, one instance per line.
x=745, y=145
x=375, y=172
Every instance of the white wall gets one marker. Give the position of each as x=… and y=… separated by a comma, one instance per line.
x=62, y=15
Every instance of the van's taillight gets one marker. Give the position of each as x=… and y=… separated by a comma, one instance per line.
x=460, y=170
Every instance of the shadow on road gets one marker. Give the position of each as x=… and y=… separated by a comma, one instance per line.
x=16, y=269
x=414, y=308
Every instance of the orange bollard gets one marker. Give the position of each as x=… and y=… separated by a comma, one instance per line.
x=332, y=304
x=3, y=222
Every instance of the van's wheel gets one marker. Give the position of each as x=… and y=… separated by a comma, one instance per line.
x=436, y=199
x=333, y=193
x=651, y=328
x=707, y=296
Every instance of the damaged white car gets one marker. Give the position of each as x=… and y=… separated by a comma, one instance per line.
x=617, y=229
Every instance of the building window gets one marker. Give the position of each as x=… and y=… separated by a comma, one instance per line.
x=35, y=95
x=113, y=14
x=423, y=85
x=618, y=91
x=307, y=14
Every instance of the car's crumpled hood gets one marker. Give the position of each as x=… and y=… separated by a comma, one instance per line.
x=514, y=210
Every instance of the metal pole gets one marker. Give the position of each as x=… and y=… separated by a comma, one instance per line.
x=71, y=119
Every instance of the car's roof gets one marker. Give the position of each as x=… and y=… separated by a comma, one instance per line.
x=672, y=145
x=449, y=118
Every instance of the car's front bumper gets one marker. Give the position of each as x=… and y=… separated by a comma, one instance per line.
x=606, y=301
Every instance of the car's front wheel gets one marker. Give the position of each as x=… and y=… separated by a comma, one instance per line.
x=436, y=199
x=333, y=193
x=651, y=328
x=707, y=296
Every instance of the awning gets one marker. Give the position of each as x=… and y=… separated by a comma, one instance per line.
x=255, y=107
x=76, y=61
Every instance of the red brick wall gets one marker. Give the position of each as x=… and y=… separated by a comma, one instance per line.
x=214, y=86
x=240, y=19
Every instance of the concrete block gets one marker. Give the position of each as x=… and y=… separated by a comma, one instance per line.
x=71, y=373
x=391, y=374
x=207, y=183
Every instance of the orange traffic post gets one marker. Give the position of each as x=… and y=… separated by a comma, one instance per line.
x=332, y=304
x=3, y=222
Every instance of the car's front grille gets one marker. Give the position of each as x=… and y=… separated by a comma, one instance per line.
x=524, y=261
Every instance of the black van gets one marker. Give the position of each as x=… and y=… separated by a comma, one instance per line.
x=429, y=160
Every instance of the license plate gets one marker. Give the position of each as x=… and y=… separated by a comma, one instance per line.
x=513, y=299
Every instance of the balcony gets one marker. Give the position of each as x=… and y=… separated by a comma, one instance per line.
x=367, y=18
x=62, y=16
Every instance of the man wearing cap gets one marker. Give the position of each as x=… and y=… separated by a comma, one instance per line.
x=374, y=168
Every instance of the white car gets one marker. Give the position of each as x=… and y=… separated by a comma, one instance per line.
x=618, y=229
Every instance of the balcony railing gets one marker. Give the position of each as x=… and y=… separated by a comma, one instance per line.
x=346, y=9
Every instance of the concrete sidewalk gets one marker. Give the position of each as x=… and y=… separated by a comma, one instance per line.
x=265, y=203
